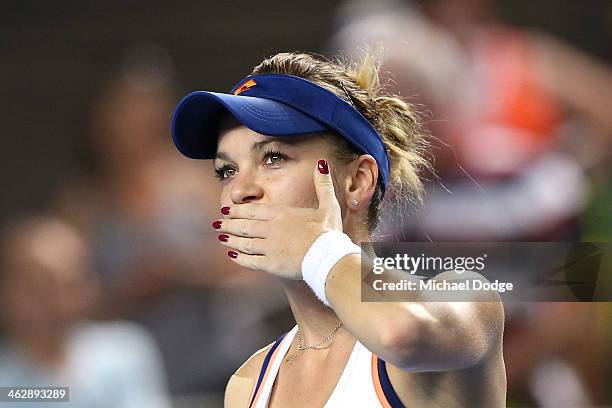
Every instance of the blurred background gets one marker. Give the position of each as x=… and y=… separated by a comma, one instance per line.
x=111, y=280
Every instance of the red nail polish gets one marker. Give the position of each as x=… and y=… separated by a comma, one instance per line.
x=232, y=254
x=322, y=166
x=223, y=237
x=216, y=224
x=225, y=210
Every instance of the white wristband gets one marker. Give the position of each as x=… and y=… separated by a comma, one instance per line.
x=323, y=254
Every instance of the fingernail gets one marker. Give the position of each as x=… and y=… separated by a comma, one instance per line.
x=223, y=237
x=232, y=254
x=225, y=210
x=216, y=224
x=322, y=166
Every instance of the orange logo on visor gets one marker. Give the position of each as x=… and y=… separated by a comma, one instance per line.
x=247, y=85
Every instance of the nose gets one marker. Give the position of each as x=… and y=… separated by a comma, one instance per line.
x=245, y=189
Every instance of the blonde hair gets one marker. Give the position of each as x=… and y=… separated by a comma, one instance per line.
x=395, y=120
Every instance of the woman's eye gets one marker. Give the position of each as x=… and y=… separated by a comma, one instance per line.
x=225, y=172
x=272, y=158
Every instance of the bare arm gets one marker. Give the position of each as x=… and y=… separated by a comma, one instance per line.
x=238, y=391
x=240, y=387
x=419, y=335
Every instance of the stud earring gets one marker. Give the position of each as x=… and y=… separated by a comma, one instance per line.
x=355, y=203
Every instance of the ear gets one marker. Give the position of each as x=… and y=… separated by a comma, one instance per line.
x=364, y=175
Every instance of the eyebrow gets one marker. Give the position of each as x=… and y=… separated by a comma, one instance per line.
x=258, y=146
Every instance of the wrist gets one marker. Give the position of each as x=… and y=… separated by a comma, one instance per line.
x=329, y=248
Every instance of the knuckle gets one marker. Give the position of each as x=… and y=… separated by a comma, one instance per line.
x=329, y=188
x=243, y=228
x=249, y=246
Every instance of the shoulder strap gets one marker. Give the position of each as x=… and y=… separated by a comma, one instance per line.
x=264, y=366
x=384, y=389
x=270, y=365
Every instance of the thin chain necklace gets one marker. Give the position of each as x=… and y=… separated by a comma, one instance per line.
x=313, y=346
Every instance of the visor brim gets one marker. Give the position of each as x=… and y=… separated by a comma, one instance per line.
x=196, y=121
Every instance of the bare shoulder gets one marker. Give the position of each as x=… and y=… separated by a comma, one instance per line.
x=241, y=384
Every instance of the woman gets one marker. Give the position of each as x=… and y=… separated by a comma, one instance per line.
x=304, y=164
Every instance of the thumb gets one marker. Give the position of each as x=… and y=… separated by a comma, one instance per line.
x=324, y=186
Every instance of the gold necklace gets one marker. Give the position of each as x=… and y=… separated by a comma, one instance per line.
x=313, y=346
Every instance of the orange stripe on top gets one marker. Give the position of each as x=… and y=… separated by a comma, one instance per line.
x=375, y=378
x=270, y=363
x=247, y=85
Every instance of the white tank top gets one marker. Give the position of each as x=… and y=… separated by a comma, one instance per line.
x=363, y=383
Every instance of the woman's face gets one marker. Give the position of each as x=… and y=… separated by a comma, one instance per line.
x=264, y=169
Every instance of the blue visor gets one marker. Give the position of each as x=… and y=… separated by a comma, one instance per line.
x=274, y=105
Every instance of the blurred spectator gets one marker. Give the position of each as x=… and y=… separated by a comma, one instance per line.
x=47, y=292
x=148, y=214
x=521, y=132
x=518, y=117
x=559, y=354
